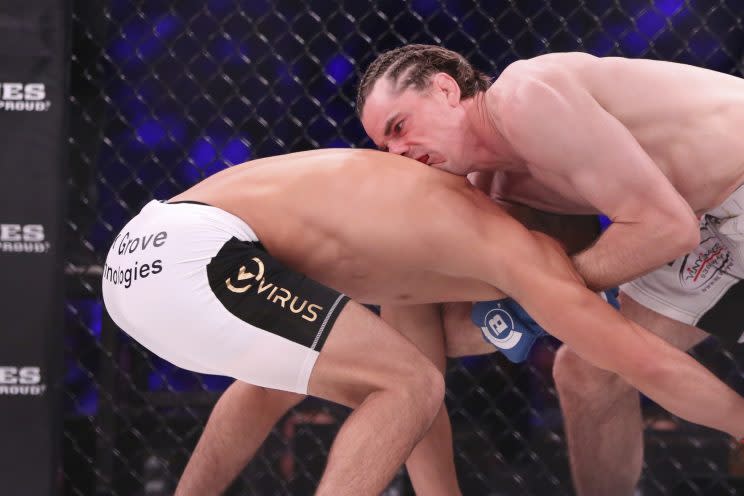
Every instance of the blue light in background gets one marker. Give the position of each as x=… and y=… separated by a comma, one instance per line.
x=216, y=382
x=121, y=49
x=131, y=100
x=203, y=153
x=339, y=68
x=648, y=25
x=337, y=143
x=283, y=73
x=703, y=45
x=156, y=380
x=153, y=42
x=651, y=23
x=87, y=402
x=236, y=151
x=166, y=376
x=95, y=317
x=144, y=38
x=221, y=6
x=166, y=131
x=211, y=154
x=229, y=51
x=671, y=7
x=88, y=311
x=167, y=25
x=150, y=132
x=169, y=377
x=256, y=8
x=100, y=235
x=633, y=44
x=601, y=45
x=83, y=318
x=424, y=7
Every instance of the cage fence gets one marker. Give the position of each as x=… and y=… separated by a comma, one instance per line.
x=165, y=93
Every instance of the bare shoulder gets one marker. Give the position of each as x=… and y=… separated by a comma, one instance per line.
x=545, y=65
x=553, y=69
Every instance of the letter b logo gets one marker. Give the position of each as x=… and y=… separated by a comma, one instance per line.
x=497, y=324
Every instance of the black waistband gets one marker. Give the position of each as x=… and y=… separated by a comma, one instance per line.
x=189, y=201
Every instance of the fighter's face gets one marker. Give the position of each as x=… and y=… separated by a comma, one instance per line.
x=424, y=125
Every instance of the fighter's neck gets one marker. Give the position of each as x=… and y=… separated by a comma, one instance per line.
x=489, y=149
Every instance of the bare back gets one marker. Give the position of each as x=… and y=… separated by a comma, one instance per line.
x=689, y=120
x=351, y=219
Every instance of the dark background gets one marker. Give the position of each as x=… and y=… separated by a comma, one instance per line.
x=164, y=93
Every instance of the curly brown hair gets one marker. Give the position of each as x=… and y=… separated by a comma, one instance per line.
x=416, y=64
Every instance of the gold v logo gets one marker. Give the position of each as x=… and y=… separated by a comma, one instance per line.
x=243, y=275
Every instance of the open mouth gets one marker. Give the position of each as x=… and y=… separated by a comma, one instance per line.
x=424, y=159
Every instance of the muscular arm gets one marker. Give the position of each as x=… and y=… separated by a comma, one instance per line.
x=533, y=269
x=571, y=143
x=601, y=335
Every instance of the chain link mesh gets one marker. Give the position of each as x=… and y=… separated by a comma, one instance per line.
x=166, y=93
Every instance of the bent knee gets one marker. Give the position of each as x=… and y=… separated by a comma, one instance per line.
x=574, y=374
x=417, y=384
x=423, y=388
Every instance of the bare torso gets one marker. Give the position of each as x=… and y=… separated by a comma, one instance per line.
x=346, y=218
x=689, y=120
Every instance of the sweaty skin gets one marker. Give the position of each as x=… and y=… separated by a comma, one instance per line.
x=338, y=216
x=687, y=120
x=387, y=230
x=245, y=414
x=650, y=144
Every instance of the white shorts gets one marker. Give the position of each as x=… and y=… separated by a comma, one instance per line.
x=704, y=288
x=193, y=284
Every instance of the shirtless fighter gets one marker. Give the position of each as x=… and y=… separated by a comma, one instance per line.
x=655, y=146
x=233, y=277
x=245, y=414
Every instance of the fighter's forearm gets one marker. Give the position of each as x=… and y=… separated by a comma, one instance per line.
x=662, y=372
x=626, y=251
x=684, y=387
x=600, y=335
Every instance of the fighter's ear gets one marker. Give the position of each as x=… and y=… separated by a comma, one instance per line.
x=441, y=81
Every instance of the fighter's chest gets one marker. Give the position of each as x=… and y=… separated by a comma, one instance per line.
x=542, y=191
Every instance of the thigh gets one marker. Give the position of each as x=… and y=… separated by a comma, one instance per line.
x=362, y=355
x=678, y=334
x=422, y=325
x=463, y=338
